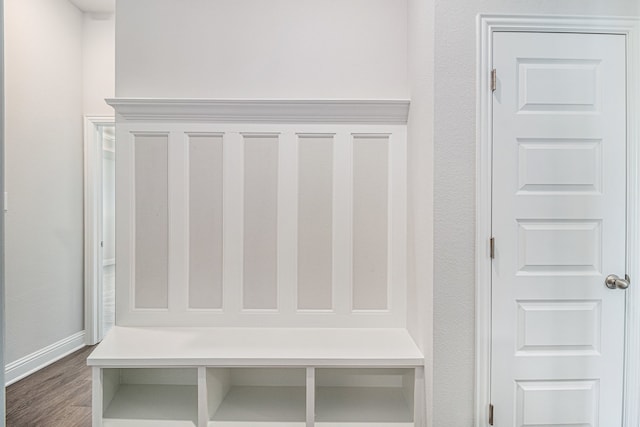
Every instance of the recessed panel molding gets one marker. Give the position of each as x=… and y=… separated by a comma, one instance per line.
x=260, y=247
x=205, y=221
x=370, y=222
x=151, y=284
x=315, y=222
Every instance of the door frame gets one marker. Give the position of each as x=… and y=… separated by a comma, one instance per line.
x=486, y=25
x=93, y=316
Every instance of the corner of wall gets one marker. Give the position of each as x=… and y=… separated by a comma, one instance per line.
x=421, y=57
x=2, y=319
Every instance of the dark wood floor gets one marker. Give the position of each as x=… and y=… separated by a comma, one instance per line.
x=56, y=396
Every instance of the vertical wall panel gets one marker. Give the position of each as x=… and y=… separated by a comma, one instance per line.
x=205, y=221
x=260, y=287
x=315, y=222
x=370, y=222
x=151, y=221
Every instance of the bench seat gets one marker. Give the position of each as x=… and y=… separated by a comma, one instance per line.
x=203, y=346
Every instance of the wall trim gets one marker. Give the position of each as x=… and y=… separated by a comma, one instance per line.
x=486, y=25
x=330, y=111
x=37, y=360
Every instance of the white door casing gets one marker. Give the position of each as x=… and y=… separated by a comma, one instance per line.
x=559, y=225
x=93, y=316
x=488, y=26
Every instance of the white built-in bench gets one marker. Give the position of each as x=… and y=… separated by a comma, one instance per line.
x=281, y=226
x=241, y=377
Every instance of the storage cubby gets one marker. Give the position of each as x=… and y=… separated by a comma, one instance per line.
x=143, y=397
x=256, y=396
x=262, y=377
x=364, y=397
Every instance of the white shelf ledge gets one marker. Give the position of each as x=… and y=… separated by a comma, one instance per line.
x=333, y=111
x=357, y=424
x=257, y=424
x=153, y=423
x=236, y=347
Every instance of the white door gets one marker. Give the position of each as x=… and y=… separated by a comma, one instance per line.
x=558, y=218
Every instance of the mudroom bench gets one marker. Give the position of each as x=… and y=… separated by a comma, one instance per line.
x=261, y=272
x=241, y=377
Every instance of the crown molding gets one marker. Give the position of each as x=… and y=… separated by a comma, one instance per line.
x=348, y=111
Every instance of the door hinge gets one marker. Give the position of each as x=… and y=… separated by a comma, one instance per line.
x=490, y=414
x=493, y=80
x=492, y=247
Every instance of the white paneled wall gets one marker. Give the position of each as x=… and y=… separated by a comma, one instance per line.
x=261, y=224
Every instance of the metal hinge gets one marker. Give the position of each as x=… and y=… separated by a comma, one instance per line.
x=490, y=414
x=492, y=247
x=493, y=80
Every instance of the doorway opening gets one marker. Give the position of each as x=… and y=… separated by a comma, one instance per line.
x=99, y=241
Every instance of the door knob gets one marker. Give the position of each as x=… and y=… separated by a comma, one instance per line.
x=614, y=282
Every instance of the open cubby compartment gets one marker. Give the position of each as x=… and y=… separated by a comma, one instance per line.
x=141, y=397
x=256, y=396
x=364, y=397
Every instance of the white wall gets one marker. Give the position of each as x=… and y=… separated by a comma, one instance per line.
x=261, y=49
x=454, y=330
x=44, y=282
x=420, y=184
x=98, y=62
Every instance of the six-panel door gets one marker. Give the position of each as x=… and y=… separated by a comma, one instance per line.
x=558, y=218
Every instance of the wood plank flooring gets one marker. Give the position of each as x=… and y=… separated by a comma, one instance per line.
x=56, y=396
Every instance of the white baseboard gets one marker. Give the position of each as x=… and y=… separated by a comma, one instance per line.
x=37, y=360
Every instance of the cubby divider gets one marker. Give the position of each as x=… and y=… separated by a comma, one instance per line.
x=311, y=396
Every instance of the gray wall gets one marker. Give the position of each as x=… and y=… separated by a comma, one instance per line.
x=98, y=62
x=261, y=49
x=44, y=174
x=454, y=236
